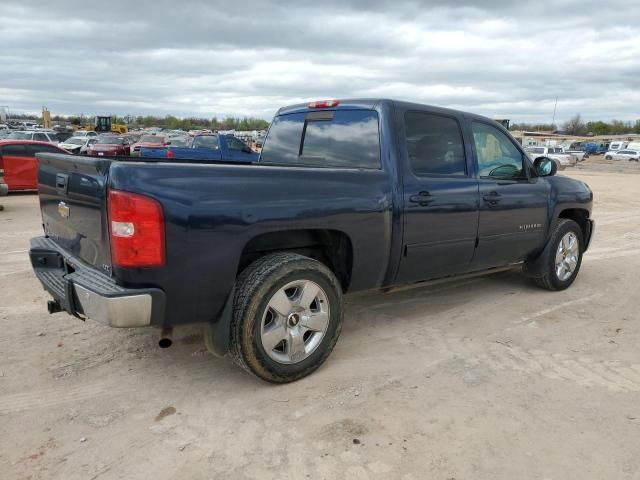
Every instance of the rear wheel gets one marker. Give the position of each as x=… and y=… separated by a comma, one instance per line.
x=563, y=256
x=287, y=317
x=608, y=157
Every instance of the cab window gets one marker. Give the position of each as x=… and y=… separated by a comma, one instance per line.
x=14, y=150
x=324, y=138
x=434, y=144
x=497, y=156
x=234, y=144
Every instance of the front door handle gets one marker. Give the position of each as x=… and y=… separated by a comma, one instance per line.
x=423, y=199
x=492, y=198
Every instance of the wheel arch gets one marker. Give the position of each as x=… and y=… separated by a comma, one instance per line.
x=333, y=248
x=581, y=217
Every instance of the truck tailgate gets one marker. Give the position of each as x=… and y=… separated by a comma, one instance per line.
x=72, y=193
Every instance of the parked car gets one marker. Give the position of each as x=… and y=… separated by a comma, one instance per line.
x=111, y=145
x=617, y=146
x=149, y=141
x=563, y=160
x=216, y=146
x=63, y=136
x=35, y=135
x=83, y=133
x=580, y=155
x=18, y=160
x=262, y=253
x=78, y=145
x=631, y=155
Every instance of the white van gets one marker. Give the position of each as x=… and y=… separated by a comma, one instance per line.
x=615, y=146
x=633, y=146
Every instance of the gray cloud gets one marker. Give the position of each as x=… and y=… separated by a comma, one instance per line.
x=504, y=59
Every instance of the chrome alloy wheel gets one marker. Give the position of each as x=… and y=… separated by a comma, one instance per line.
x=295, y=321
x=567, y=256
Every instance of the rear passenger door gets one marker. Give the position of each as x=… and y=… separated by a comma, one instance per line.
x=440, y=198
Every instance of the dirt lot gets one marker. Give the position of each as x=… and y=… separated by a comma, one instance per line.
x=481, y=379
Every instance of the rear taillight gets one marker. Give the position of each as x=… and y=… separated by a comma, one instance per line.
x=324, y=104
x=169, y=154
x=136, y=227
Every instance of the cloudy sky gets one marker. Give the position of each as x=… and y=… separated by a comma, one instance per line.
x=206, y=58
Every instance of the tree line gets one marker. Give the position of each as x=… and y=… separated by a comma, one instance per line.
x=576, y=126
x=190, y=123
x=168, y=121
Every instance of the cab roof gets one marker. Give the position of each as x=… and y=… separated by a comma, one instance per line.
x=369, y=104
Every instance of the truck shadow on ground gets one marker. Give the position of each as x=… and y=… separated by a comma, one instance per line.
x=363, y=311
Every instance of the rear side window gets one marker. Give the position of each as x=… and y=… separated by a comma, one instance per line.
x=17, y=150
x=43, y=148
x=206, y=141
x=340, y=138
x=434, y=144
x=235, y=144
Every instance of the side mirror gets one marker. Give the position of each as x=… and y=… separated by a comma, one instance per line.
x=545, y=167
x=168, y=143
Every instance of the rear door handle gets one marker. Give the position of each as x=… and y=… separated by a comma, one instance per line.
x=423, y=199
x=492, y=198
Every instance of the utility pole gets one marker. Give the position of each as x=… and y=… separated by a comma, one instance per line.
x=553, y=120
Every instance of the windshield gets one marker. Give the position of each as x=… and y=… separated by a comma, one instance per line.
x=151, y=139
x=111, y=140
x=20, y=136
x=206, y=141
x=75, y=141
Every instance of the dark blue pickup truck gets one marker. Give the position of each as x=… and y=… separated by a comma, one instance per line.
x=346, y=196
x=215, y=146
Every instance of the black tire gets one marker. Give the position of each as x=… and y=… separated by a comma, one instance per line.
x=254, y=288
x=548, y=278
x=608, y=157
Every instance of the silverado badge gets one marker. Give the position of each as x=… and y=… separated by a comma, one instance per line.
x=63, y=210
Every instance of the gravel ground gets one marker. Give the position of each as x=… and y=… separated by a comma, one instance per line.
x=486, y=378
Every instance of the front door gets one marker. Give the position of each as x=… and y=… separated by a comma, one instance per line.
x=440, y=199
x=513, y=203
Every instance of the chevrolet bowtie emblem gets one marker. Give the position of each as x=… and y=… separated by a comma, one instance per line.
x=63, y=210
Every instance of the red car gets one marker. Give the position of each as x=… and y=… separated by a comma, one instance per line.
x=18, y=160
x=149, y=141
x=111, y=145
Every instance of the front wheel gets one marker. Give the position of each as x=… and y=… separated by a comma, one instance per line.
x=608, y=157
x=287, y=317
x=563, y=256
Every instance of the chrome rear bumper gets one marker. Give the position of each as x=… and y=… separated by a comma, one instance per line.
x=83, y=291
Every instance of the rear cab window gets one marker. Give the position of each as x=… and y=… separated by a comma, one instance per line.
x=324, y=138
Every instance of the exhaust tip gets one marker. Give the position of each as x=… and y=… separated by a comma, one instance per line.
x=166, y=338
